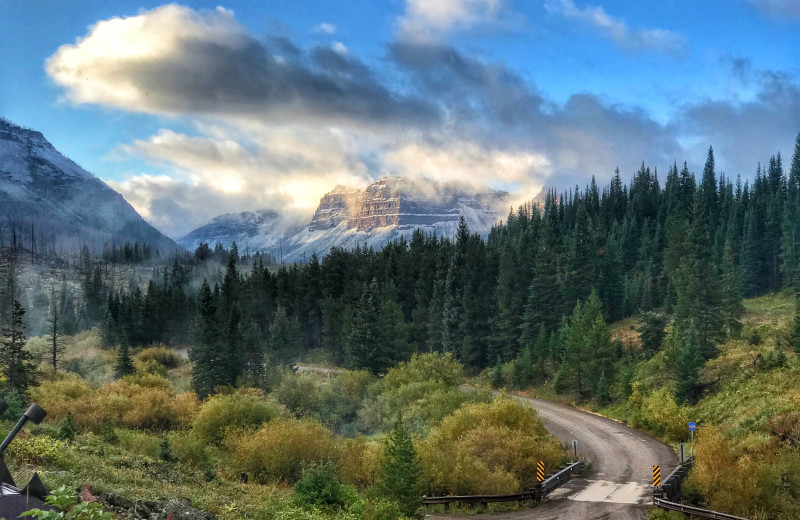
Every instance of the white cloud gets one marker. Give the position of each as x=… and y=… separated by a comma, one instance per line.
x=778, y=8
x=286, y=169
x=426, y=20
x=521, y=171
x=339, y=47
x=325, y=28
x=660, y=40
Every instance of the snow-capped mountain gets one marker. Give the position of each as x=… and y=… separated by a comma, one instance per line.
x=252, y=231
x=388, y=209
x=49, y=200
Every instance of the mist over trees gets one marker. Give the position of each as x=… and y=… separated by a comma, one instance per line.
x=537, y=292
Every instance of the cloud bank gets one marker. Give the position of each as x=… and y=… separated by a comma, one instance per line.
x=277, y=125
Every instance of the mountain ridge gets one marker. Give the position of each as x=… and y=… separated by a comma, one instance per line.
x=385, y=210
x=57, y=203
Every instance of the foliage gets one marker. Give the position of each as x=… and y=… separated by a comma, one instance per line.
x=487, y=448
x=67, y=509
x=319, y=486
x=424, y=389
x=138, y=402
x=400, y=471
x=241, y=410
x=68, y=429
x=39, y=449
x=280, y=448
x=161, y=354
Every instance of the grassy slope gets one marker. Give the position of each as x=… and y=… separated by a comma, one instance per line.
x=744, y=466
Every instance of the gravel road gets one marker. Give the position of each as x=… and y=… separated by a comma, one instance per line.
x=618, y=482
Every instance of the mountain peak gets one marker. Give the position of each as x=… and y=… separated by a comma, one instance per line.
x=66, y=206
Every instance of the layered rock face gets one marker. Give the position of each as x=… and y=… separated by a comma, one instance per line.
x=386, y=210
x=398, y=202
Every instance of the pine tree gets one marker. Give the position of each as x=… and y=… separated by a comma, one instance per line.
x=16, y=362
x=367, y=346
x=401, y=472
x=688, y=365
x=651, y=331
x=204, y=353
x=124, y=366
x=284, y=336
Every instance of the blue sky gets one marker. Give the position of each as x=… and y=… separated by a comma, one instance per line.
x=192, y=110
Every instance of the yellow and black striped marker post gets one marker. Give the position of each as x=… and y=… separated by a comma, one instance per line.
x=540, y=471
x=657, y=476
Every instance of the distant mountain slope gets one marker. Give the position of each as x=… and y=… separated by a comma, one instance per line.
x=47, y=197
x=254, y=231
x=388, y=209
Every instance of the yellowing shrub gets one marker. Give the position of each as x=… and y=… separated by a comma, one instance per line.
x=488, y=448
x=161, y=354
x=137, y=402
x=245, y=409
x=358, y=461
x=280, y=448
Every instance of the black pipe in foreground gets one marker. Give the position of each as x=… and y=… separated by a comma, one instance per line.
x=34, y=413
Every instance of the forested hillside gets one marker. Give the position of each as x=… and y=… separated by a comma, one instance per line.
x=691, y=248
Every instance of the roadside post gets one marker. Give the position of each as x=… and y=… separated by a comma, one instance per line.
x=575, y=449
x=683, y=452
x=540, y=471
x=692, y=427
x=657, y=476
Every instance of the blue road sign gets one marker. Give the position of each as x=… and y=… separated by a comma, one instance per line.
x=692, y=426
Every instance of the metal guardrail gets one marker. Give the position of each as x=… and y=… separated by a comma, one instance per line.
x=694, y=511
x=665, y=495
x=537, y=493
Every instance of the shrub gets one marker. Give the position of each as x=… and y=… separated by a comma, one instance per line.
x=300, y=393
x=280, y=448
x=358, y=460
x=426, y=367
x=68, y=430
x=160, y=354
x=40, y=449
x=142, y=401
x=487, y=448
x=243, y=410
x=319, y=486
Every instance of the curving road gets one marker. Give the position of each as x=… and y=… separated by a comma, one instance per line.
x=618, y=482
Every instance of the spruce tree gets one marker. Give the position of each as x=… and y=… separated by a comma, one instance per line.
x=652, y=331
x=401, y=472
x=688, y=364
x=124, y=366
x=207, y=369
x=16, y=363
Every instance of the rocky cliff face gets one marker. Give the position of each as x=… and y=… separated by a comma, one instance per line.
x=398, y=202
x=385, y=210
x=47, y=201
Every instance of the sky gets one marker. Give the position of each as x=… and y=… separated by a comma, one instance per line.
x=198, y=109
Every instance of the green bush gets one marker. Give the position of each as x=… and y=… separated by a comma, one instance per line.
x=67, y=508
x=320, y=486
x=243, y=410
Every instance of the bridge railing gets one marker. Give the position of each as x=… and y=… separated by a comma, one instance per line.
x=546, y=486
x=668, y=495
